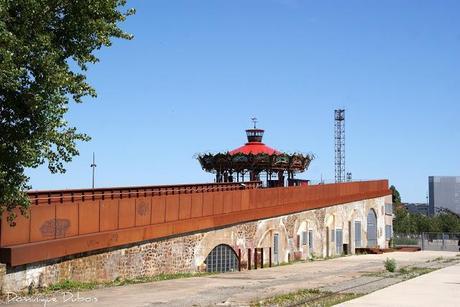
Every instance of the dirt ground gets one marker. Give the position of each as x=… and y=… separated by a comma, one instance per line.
x=241, y=288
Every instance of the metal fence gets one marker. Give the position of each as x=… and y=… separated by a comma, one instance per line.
x=435, y=241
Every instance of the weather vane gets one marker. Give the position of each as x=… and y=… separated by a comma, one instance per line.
x=254, y=120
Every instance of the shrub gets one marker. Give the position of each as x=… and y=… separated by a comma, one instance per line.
x=390, y=265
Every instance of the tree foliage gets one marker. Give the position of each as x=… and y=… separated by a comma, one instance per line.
x=45, y=49
x=409, y=223
x=395, y=195
x=413, y=223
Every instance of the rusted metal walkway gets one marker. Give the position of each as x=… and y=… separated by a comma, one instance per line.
x=68, y=222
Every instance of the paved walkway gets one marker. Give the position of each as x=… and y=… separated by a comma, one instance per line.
x=439, y=288
x=240, y=288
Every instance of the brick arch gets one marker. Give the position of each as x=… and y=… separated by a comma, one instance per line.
x=265, y=228
x=212, y=239
x=222, y=258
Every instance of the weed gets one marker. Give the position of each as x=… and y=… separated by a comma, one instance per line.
x=390, y=264
x=72, y=285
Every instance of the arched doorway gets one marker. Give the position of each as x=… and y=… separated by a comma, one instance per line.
x=371, y=228
x=222, y=259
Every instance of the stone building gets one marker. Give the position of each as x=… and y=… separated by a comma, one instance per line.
x=214, y=227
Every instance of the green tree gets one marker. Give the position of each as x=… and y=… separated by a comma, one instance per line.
x=448, y=222
x=46, y=46
x=395, y=195
x=407, y=223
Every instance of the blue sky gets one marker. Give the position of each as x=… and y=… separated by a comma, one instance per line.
x=196, y=72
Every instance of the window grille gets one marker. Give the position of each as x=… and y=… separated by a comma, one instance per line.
x=357, y=234
x=339, y=241
x=222, y=259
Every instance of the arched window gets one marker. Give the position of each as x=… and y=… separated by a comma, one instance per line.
x=222, y=259
x=371, y=228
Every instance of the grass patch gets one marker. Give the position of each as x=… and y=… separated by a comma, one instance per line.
x=160, y=277
x=73, y=285
x=307, y=297
x=437, y=259
x=412, y=272
x=68, y=285
x=404, y=272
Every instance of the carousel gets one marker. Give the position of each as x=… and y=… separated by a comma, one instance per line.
x=256, y=161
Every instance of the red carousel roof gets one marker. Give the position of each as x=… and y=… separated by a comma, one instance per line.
x=254, y=145
x=255, y=148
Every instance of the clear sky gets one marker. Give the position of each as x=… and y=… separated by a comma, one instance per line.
x=197, y=71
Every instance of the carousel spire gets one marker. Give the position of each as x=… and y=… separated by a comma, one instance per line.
x=254, y=120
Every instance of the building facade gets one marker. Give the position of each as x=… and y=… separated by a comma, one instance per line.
x=444, y=193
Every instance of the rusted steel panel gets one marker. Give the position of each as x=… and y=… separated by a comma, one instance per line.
x=197, y=205
x=218, y=203
x=185, y=206
x=271, y=198
x=208, y=204
x=245, y=200
x=88, y=217
x=158, y=209
x=236, y=200
x=253, y=199
x=281, y=196
x=172, y=207
x=67, y=214
x=228, y=201
x=43, y=223
x=109, y=214
x=260, y=198
x=18, y=234
x=126, y=213
x=143, y=210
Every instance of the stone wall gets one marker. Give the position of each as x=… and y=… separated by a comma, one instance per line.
x=188, y=253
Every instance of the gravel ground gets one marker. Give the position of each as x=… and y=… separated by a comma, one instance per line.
x=242, y=288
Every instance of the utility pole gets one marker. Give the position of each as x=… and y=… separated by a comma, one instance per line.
x=93, y=166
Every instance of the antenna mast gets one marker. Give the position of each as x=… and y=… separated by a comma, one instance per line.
x=339, y=116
